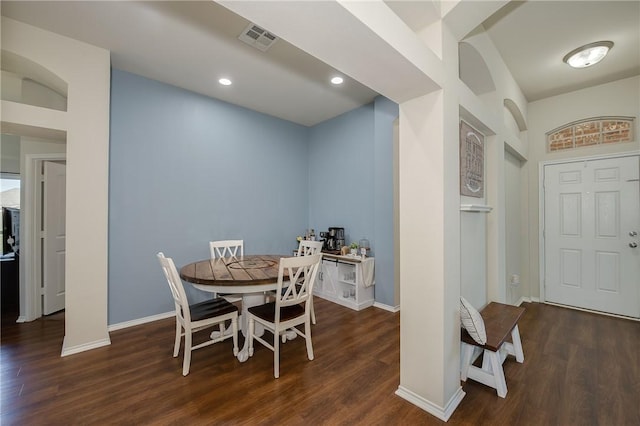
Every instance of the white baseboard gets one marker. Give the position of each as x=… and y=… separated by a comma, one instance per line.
x=139, y=321
x=84, y=347
x=443, y=413
x=107, y=341
x=527, y=300
x=386, y=307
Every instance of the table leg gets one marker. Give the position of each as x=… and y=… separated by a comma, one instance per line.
x=249, y=300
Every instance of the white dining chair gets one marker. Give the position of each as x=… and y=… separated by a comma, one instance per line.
x=291, y=308
x=227, y=248
x=307, y=248
x=196, y=317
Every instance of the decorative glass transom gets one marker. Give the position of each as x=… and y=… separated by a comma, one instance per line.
x=590, y=131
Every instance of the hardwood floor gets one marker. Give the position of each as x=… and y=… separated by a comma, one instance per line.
x=579, y=369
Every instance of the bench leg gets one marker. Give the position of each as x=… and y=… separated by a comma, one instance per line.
x=468, y=355
x=517, y=344
x=512, y=348
x=491, y=374
x=498, y=373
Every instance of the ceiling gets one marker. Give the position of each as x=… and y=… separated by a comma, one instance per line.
x=193, y=44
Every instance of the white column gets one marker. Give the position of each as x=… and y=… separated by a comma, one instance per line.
x=429, y=254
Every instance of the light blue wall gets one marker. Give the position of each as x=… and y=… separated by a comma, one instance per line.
x=341, y=172
x=351, y=182
x=385, y=113
x=186, y=169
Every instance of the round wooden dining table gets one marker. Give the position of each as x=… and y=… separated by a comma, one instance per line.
x=250, y=276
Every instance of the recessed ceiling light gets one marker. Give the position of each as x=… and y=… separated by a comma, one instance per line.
x=337, y=80
x=225, y=82
x=587, y=55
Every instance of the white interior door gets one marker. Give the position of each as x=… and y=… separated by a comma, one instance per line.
x=592, y=218
x=54, y=237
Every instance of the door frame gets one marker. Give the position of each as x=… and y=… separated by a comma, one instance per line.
x=541, y=211
x=30, y=259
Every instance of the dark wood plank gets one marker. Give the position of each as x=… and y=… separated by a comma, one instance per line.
x=579, y=369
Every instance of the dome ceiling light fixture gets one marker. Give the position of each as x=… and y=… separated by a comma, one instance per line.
x=587, y=55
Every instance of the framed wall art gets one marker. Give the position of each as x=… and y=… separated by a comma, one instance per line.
x=471, y=161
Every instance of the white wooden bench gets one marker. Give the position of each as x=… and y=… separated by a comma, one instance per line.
x=500, y=321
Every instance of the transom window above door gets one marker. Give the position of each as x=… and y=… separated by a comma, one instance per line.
x=590, y=131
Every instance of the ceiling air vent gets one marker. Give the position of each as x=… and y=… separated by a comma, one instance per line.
x=258, y=37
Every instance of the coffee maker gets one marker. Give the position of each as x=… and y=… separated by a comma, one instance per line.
x=333, y=239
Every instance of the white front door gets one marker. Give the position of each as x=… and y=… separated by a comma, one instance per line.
x=54, y=237
x=592, y=221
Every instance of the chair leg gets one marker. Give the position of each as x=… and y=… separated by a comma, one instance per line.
x=187, y=352
x=234, y=329
x=176, y=345
x=307, y=336
x=276, y=354
x=313, y=311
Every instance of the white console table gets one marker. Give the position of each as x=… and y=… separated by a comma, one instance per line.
x=346, y=280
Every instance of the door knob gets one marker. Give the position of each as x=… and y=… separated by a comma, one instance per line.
x=633, y=233
x=633, y=245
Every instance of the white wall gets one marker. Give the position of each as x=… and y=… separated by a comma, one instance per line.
x=10, y=154
x=86, y=70
x=487, y=114
x=473, y=257
x=620, y=98
x=514, y=240
x=11, y=88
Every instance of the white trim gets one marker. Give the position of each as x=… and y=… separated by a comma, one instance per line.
x=431, y=408
x=66, y=351
x=541, y=166
x=525, y=299
x=386, y=307
x=541, y=242
x=576, y=308
x=140, y=321
x=475, y=208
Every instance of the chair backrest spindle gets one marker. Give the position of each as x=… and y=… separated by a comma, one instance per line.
x=306, y=248
x=302, y=270
x=226, y=248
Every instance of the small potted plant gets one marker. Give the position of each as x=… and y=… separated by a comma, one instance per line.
x=354, y=249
